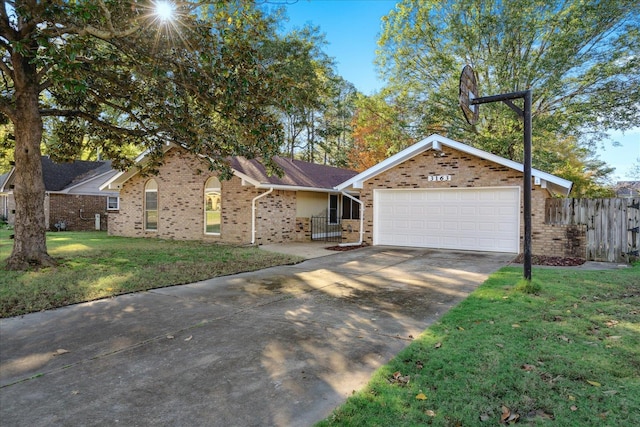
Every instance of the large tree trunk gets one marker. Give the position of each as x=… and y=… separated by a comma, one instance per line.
x=30, y=245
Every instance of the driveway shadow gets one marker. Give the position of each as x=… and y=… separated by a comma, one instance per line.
x=280, y=347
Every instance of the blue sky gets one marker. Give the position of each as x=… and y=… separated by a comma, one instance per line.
x=352, y=27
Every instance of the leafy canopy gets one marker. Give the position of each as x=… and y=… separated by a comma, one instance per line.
x=580, y=58
x=114, y=73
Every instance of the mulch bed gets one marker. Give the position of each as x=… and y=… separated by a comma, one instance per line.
x=551, y=260
x=535, y=259
x=344, y=248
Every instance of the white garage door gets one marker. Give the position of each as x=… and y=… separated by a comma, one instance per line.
x=470, y=219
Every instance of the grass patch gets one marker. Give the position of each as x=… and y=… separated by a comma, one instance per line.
x=568, y=353
x=93, y=265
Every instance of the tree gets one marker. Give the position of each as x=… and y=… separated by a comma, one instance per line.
x=580, y=58
x=207, y=78
x=310, y=69
x=334, y=122
x=379, y=131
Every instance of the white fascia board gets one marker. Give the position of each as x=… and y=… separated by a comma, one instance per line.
x=298, y=188
x=101, y=176
x=246, y=178
x=436, y=141
x=115, y=183
x=358, y=180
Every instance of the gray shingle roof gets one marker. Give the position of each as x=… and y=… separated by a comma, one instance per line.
x=3, y=178
x=58, y=176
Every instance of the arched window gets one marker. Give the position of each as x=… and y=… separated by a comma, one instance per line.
x=151, y=205
x=212, y=205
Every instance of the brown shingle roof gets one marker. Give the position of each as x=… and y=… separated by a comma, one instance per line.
x=296, y=173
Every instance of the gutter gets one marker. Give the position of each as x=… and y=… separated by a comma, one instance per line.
x=345, y=194
x=253, y=214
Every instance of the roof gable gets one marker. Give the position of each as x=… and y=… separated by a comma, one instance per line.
x=435, y=142
x=298, y=175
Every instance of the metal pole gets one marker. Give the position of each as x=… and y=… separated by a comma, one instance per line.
x=526, y=116
x=527, y=185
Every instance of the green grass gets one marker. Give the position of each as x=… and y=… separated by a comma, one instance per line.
x=570, y=353
x=93, y=265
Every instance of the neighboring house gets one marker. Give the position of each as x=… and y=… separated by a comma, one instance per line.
x=627, y=189
x=4, y=199
x=73, y=200
x=438, y=193
x=186, y=200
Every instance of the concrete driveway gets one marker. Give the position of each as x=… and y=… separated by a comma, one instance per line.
x=277, y=347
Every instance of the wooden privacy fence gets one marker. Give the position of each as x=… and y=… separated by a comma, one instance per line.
x=612, y=225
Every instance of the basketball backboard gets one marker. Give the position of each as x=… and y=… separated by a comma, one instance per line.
x=468, y=92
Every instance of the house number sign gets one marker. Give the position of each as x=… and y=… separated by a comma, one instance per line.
x=439, y=178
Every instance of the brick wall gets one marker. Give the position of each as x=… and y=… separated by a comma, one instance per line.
x=302, y=229
x=77, y=211
x=181, y=180
x=275, y=218
x=350, y=230
x=468, y=171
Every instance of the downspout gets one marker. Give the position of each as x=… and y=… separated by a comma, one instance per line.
x=361, y=221
x=253, y=214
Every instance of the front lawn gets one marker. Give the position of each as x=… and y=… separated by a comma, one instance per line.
x=569, y=356
x=94, y=265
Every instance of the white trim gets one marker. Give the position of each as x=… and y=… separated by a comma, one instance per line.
x=338, y=209
x=435, y=142
x=204, y=199
x=117, y=202
x=68, y=189
x=144, y=206
x=131, y=172
x=6, y=181
x=361, y=203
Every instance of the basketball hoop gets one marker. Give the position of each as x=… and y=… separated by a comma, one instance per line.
x=469, y=92
x=469, y=102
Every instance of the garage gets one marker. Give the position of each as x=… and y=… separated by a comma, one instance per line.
x=484, y=219
x=444, y=194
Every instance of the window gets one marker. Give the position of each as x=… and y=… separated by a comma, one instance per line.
x=333, y=209
x=151, y=205
x=212, y=205
x=350, y=208
x=113, y=203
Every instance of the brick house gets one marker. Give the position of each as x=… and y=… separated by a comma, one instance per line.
x=73, y=199
x=185, y=200
x=437, y=193
x=441, y=193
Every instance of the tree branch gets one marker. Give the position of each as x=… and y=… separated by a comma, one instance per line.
x=90, y=118
x=6, y=30
x=6, y=71
x=6, y=108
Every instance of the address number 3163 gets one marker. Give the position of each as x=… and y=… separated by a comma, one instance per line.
x=439, y=178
